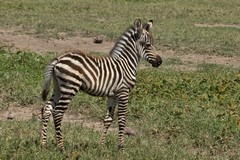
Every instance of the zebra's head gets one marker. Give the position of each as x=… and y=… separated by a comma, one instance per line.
x=144, y=43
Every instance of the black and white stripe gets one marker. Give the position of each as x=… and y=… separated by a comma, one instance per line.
x=113, y=76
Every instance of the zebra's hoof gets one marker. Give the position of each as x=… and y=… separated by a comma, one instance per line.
x=43, y=146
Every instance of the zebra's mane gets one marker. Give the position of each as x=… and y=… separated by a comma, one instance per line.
x=128, y=34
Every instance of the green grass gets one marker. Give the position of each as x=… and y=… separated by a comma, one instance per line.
x=20, y=76
x=173, y=21
x=177, y=115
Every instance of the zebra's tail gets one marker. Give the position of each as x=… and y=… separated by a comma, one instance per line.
x=47, y=79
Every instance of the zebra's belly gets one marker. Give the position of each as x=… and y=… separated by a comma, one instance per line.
x=99, y=89
x=101, y=93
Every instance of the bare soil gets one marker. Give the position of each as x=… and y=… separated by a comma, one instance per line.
x=20, y=113
x=16, y=41
x=216, y=25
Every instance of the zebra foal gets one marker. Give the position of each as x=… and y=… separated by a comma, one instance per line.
x=113, y=76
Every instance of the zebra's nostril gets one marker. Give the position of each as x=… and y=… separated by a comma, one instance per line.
x=157, y=62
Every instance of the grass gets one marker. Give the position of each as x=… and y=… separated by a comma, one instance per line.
x=173, y=21
x=186, y=115
x=177, y=114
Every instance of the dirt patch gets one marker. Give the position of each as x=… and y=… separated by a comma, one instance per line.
x=15, y=112
x=17, y=41
x=190, y=61
x=18, y=113
x=217, y=25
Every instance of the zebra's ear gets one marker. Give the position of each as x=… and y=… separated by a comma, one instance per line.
x=149, y=25
x=138, y=28
x=137, y=23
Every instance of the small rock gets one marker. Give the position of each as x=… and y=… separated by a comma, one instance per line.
x=98, y=40
x=130, y=132
x=10, y=115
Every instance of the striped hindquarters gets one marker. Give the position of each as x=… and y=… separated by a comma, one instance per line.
x=96, y=76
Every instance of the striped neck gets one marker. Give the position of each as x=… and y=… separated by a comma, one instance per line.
x=125, y=48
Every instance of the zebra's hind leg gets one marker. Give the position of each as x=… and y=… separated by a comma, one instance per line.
x=46, y=113
x=108, y=118
x=58, y=113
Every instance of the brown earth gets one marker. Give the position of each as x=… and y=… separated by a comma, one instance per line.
x=16, y=41
x=216, y=25
x=19, y=113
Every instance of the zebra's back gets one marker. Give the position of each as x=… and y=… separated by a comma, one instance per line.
x=98, y=76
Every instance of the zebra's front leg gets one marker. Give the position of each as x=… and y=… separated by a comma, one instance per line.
x=46, y=113
x=122, y=105
x=108, y=118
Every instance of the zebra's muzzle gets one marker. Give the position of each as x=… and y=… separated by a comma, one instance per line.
x=157, y=62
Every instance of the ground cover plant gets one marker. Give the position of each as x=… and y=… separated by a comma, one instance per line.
x=189, y=114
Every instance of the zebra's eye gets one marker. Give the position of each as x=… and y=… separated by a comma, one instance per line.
x=148, y=45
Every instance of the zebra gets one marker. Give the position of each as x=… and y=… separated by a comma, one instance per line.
x=112, y=76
